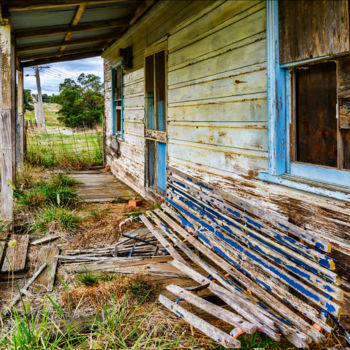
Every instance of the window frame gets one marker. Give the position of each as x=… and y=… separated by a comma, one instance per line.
x=119, y=135
x=321, y=180
x=155, y=135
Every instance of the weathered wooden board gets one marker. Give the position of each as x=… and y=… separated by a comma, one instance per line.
x=318, y=275
x=316, y=92
x=234, y=83
x=213, y=309
x=45, y=239
x=326, y=34
x=201, y=24
x=232, y=57
x=236, y=248
x=162, y=239
x=100, y=186
x=45, y=281
x=240, y=214
x=217, y=158
x=299, y=339
x=257, y=290
x=215, y=333
x=16, y=255
x=239, y=110
x=247, y=135
x=242, y=25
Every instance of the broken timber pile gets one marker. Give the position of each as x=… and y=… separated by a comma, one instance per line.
x=13, y=262
x=276, y=277
x=138, y=245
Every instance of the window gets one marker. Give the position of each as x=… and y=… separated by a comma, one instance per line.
x=309, y=96
x=117, y=100
x=314, y=126
x=155, y=91
x=156, y=140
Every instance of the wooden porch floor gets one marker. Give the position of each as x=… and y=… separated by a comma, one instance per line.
x=98, y=185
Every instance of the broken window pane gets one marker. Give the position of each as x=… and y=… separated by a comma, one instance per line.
x=150, y=117
x=316, y=122
x=160, y=89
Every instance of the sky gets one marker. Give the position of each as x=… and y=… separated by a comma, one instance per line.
x=52, y=77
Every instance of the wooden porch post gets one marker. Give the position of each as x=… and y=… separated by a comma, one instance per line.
x=20, y=120
x=7, y=120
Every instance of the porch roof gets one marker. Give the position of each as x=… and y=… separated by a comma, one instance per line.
x=47, y=31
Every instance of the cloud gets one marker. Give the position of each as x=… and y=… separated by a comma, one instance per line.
x=51, y=77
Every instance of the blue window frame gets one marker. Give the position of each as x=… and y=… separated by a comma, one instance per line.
x=321, y=180
x=117, y=101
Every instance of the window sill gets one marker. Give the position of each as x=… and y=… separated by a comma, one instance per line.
x=298, y=183
x=117, y=137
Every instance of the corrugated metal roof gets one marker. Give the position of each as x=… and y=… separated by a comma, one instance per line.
x=41, y=28
x=42, y=18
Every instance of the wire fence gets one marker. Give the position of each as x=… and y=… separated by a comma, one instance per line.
x=64, y=147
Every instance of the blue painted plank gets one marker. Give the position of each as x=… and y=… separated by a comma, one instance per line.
x=291, y=243
x=161, y=168
x=281, y=257
x=268, y=267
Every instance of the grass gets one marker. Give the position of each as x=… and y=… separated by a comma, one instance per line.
x=49, y=204
x=97, y=214
x=58, y=191
x=62, y=147
x=50, y=112
x=140, y=288
x=76, y=151
x=120, y=324
x=89, y=278
x=54, y=218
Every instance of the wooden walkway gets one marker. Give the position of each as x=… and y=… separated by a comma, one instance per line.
x=98, y=185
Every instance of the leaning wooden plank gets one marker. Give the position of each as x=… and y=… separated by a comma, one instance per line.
x=159, y=269
x=215, y=310
x=209, y=330
x=24, y=290
x=114, y=265
x=46, y=280
x=297, y=263
x=16, y=254
x=228, y=209
x=244, y=303
x=297, y=338
x=45, y=239
x=248, y=283
x=276, y=220
x=162, y=240
x=256, y=272
x=284, y=276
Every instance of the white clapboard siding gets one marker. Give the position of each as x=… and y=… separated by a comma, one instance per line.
x=217, y=90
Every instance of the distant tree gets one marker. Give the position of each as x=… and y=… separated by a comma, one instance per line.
x=28, y=100
x=54, y=98
x=46, y=98
x=81, y=101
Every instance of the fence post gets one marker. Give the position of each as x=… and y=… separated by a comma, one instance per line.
x=20, y=120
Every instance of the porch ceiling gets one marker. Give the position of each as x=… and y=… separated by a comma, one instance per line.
x=47, y=31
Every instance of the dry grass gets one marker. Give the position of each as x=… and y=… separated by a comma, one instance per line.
x=106, y=225
x=138, y=287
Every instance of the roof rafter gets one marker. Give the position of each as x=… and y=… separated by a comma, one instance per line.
x=23, y=5
x=58, y=53
x=54, y=30
x=77, y=17
x=62, y=58
x=48, y=45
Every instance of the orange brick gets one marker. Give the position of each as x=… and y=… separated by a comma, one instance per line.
x=133, y=203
